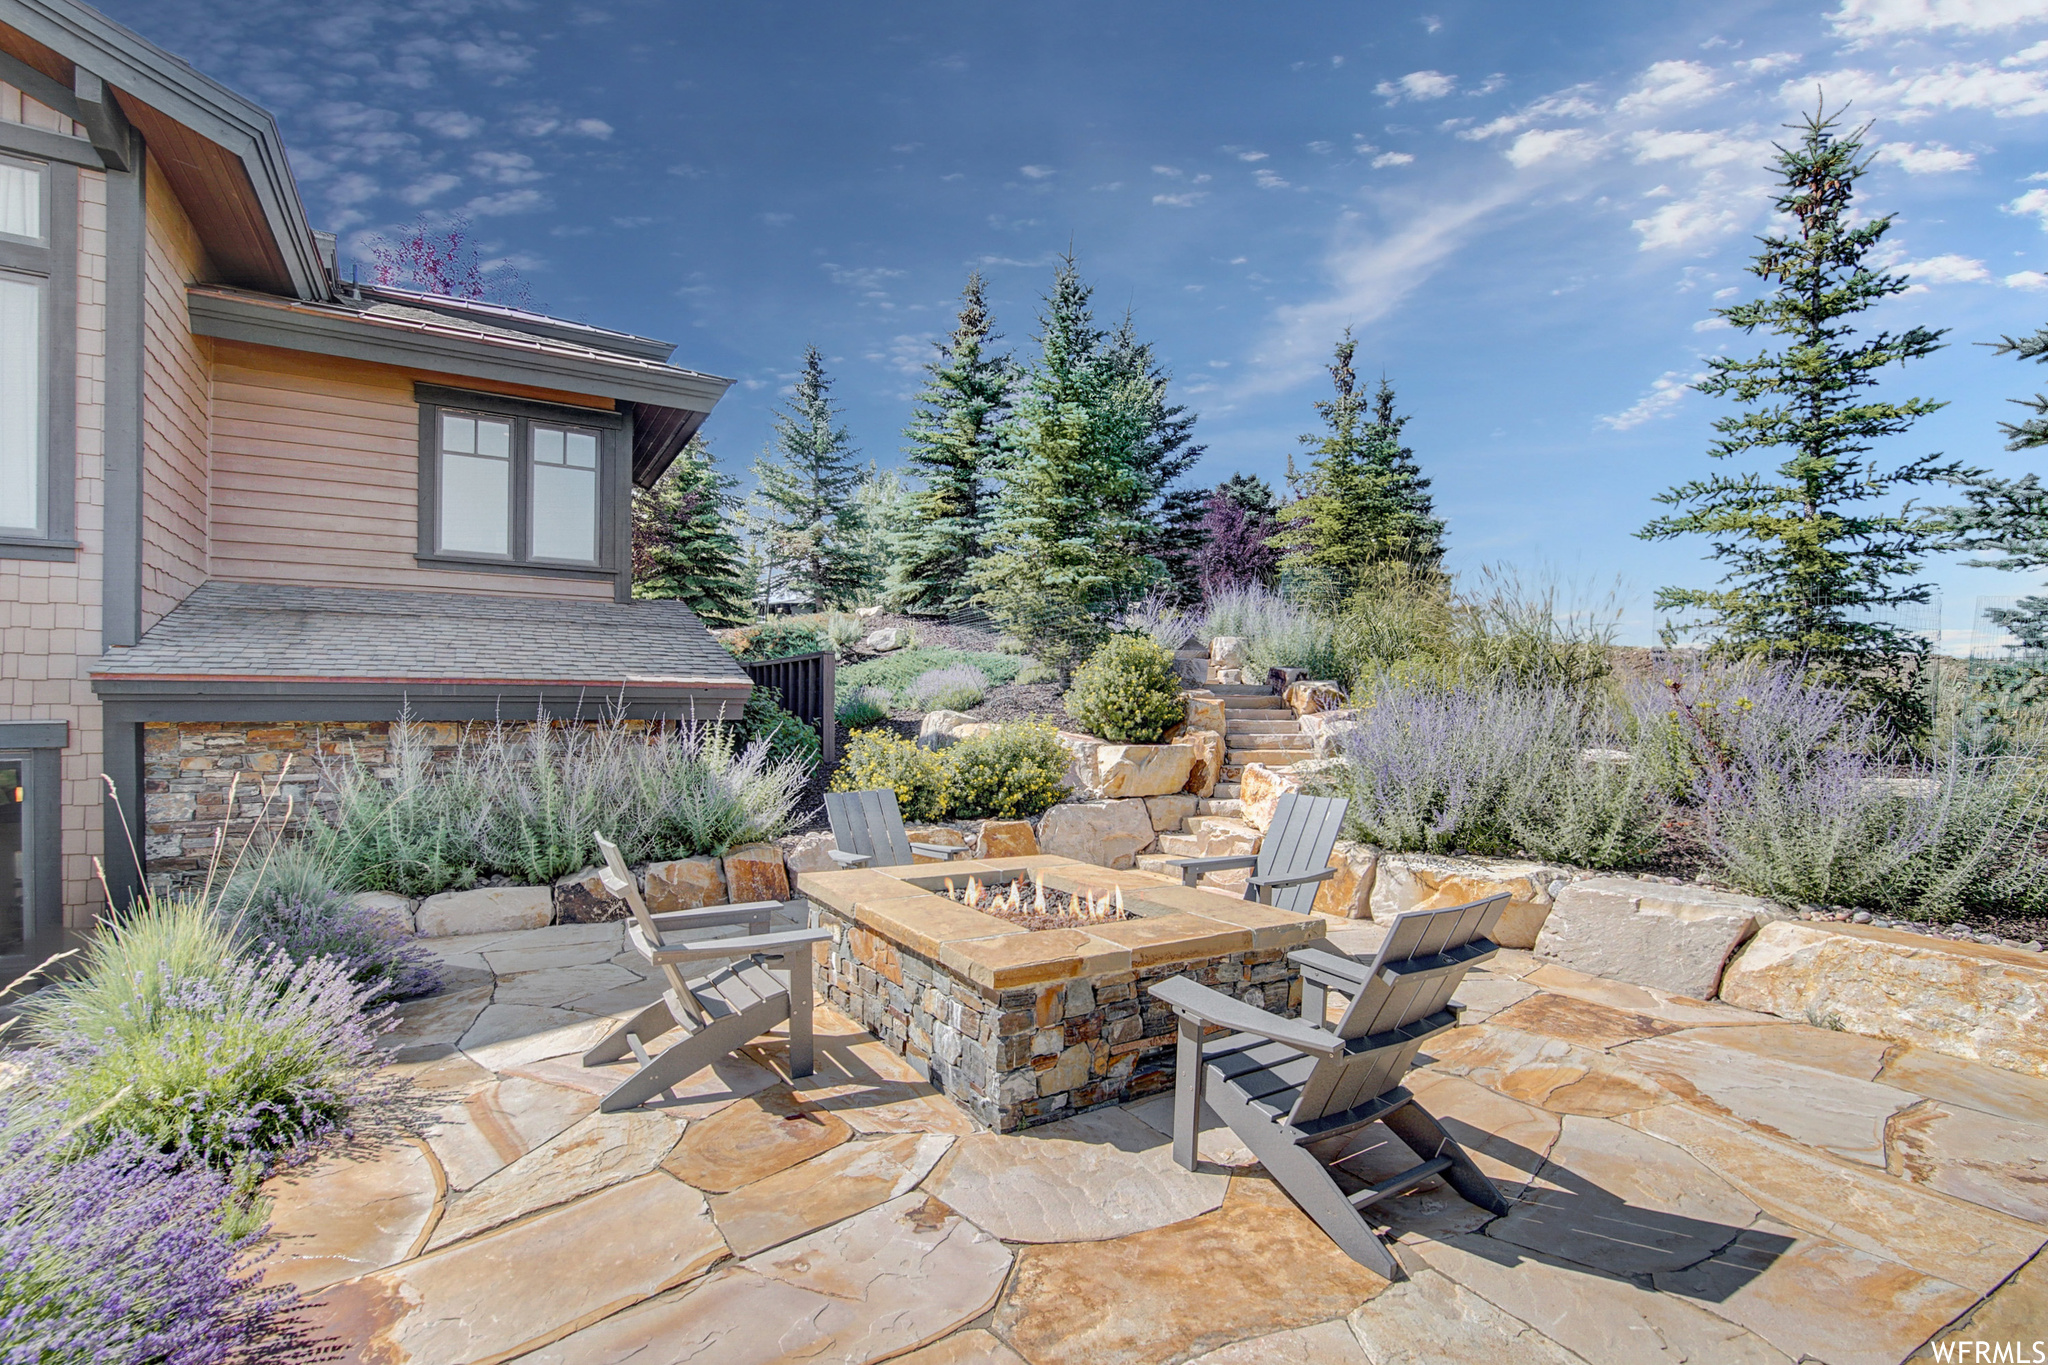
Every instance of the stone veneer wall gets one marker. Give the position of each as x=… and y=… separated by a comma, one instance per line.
x=1035, y=1054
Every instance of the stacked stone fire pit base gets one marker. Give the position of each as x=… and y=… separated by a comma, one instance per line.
x=1020, y=1026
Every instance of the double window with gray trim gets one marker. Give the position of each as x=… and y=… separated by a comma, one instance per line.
x=508, y=484
x=38, y=340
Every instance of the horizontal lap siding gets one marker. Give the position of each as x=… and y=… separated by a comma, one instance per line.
x=316, y=479
x=174, y=409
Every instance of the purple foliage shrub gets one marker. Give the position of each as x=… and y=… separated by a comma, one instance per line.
x=1237, y=551
x=374, y=946
x=120, y=1255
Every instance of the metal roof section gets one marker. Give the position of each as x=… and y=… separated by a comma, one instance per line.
x=274, y=633
x=504, y=316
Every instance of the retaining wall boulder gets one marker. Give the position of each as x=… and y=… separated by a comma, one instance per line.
x=684, y=884
x=1106, y=833
x=1415, y=881
x=1674, y=938
x=486, y=910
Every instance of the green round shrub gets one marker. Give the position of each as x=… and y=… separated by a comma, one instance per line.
x=787, y=736
x=1015, y=772
x=877, y=759
x=1127, y=691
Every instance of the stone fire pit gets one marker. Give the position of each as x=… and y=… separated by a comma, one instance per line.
x=1025, y=1026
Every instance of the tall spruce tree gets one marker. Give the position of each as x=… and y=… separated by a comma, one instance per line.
x=1068, y=543
x=684, y=548
x=1363, y=499
x=2008, y=518
x=1172, y=515
x=955, y=443
x=803, y=500
x=1816, y=552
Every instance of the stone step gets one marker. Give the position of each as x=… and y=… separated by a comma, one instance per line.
x=1255, y=708
x=1242, y=690
x=1196, y=824
x=1226, y=805
x=1226, y=790
x=1269, y=739
x=1181, y=845
x=1286, y=725
x=1191, y=654
x=1162, y=863
x=1272, y=758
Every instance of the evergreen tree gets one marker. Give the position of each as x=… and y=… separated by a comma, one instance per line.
x=1813, y=565
x=1363, y=501
x=684, y=548
x=885, y=514
x=803, y=499
x=1252, y=494
x=1067, y=543
x=1173, y=516
x=955, y=443
x=2008, y=518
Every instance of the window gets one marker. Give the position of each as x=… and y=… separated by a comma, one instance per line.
x=519, y=486
x=38, y=369
x=31, y=899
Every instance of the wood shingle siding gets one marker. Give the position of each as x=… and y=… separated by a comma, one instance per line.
x=174, y=409
x=316, y=478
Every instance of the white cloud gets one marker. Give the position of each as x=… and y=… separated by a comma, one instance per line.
x=504, y=168
x=1170, y=172
x=1957, y=85
x=493, y=58
x=1698, y=149
x=1769, y=62
x=2026, y=279
x=866, y=280
x=1889, y=18
x=1671, y=85
x=352, y=188
x=2027, y=56
x=589, y=127
x=1430, y=23
x=2034, y=203
x=1251, y=156
x=429, y=187
x=1035, y=172
x=511, y=201
x=1267, y=180
x=1666, y=392
x=449, y=122
x=1712, y=325
x=778, y=219
x=1416, y=85
x=1944, y=269
x=1576, y=102
x=1712, y=212
x=1546, y=144
x=1180, y=201
x=1933, y=159
x=1385, y=159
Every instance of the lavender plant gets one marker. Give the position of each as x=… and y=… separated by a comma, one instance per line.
x=122, y=1255
x=376, y=948
x=959, y=687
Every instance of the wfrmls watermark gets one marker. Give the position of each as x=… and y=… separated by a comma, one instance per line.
x=1962, y=1352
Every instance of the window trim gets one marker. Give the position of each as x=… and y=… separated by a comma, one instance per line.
x=614, y=472
x=38, y=747
x=54, y=262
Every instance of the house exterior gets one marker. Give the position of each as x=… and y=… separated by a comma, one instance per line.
x=244, y=503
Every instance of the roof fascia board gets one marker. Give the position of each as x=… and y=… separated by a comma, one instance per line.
x=209, y=700
x=136, y=67
x=328, y=333
x=597, y=338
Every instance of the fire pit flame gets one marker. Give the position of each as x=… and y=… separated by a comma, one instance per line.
x=1086, y=905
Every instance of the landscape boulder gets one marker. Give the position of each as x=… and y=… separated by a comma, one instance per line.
x=1413, y=881
x=1204, y=712
x=754, y=872
x=684, y=884
x=887, y=638
x=1260, y=788
x=808, y=853
x=395, y=908
x=939, y=836
x=1312, y=698
x=1106, y=833
x=1206, y=764
x=1226, y=651
x=1005, y=839
x=867, y=613
x=580, y=898
x=1326, y=730
x=1980, y=1002
x=939, y=729
x=1171, y=812
x=1125, y=770
x=1673, y=938
x=1348, y=895
x=486, y=910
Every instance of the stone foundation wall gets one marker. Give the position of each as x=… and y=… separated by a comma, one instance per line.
x=1016, y=1058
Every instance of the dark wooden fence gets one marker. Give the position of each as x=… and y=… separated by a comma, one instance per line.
x=806, y=684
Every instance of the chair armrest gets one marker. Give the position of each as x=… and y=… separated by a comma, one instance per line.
x=1192, y=1000
x=1192, y=870
x=785, y=943
x=941, y=851
x=847, y=859
x=1294, y=878
x=1335, y=966
x=715, y=916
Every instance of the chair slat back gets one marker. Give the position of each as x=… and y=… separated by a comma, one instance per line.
x=869, y=822
x=1303, y=831
x=621, y=883
x=1392, y=1001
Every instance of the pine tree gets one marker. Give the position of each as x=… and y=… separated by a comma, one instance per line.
x=1363, y=500
x=684, y=548
x=885, y=514
x=2008, y=518
x=1172, y=516
x=1067, y=544
x=1250, y=493
x=1812, y=564
x=955, y=444
x=803, y=499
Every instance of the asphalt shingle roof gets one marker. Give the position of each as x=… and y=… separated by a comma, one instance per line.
x=267, y=631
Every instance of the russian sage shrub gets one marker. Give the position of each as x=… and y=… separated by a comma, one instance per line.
x=121, y=1255
x=1277, y=632
x=170, y=1035
x=958, y=687
x=376, y=949
x=414, y=833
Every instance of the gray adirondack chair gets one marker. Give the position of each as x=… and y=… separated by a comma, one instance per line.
x=868, y=829
x=1294, y=1089
x=1293, y=859
x=766, y=980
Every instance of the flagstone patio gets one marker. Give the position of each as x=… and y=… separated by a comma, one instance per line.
x=1691, y=1182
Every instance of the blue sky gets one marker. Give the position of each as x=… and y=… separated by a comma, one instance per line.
x=1526, y=211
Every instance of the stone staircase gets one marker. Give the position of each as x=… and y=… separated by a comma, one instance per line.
x=1258, y=727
